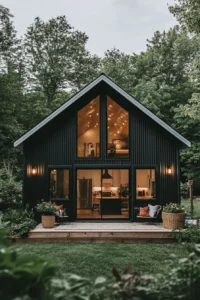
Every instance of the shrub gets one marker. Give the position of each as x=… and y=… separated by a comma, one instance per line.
x=188, y=235
x=10, y=188
x=19, y=221
x=184, y=189
x=23, y=276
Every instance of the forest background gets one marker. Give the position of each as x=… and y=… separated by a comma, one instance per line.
x=42, y=69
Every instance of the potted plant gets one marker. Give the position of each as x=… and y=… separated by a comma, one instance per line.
x=173, y=216
x=123, y=190
x=47, y=210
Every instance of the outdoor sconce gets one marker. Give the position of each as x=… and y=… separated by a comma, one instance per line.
x=169, y=170
x=34, y=171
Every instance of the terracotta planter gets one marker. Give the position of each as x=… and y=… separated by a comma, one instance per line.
x=48, y=221
x=173, y=220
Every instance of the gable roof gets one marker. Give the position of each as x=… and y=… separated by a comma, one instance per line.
x=100, y=78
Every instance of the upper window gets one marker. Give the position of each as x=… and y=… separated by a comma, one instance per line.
x=59, y=184
x=117, y=130
x=145, y=184
x=88, y=130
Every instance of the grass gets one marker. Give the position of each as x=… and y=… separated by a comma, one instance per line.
x=186, y=204
x=92, y=260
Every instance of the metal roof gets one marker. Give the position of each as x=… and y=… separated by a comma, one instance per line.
x=87, y=88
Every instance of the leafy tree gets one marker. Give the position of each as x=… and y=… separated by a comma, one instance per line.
x=10, y=188
x=187, y=14
x=11, y=86
x=163, y=71
x=120, y=67
x=57, y=58
x=187, y=120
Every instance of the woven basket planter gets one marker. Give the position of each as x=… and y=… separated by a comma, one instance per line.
x=173, y=220
x=48, y=221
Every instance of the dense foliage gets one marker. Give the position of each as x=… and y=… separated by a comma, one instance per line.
x=23, y=276
x=191, y=234
x=10, y=189
x=41, y=71
x=19, y=221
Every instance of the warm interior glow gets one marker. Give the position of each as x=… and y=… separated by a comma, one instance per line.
x=118, y=130
x=88, y=130
x=145, y=184
x=99, y=197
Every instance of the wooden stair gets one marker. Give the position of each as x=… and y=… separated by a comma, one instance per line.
x=99, y=237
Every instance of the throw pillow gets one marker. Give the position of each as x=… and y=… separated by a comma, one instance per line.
x=58, y=207
x=152, y=210
x=144, y=211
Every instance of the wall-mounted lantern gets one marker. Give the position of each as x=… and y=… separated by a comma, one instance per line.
x=169, y=170
x=34, y=171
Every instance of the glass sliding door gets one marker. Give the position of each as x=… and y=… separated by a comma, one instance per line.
x=115, y=194
x=103, y=194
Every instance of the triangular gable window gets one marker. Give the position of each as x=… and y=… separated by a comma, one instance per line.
x=89, y=130
x=117, y=130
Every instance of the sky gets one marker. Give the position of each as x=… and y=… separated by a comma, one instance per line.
x=124, y=24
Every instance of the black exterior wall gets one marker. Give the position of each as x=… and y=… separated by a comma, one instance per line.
x=55, y=145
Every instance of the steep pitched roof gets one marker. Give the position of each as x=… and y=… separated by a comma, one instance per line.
x=87, y=88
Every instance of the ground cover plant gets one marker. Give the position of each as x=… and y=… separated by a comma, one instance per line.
x=19, y=221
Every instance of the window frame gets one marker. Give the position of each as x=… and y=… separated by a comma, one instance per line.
x=129, y=128
x=148, y=167
x=83, y=157
x=59, y=167
x=102, y=167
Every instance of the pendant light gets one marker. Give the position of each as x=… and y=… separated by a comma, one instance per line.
x=106, y=175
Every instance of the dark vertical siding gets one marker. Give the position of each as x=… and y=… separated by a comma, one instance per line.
x=153, y=147
x=55, y=145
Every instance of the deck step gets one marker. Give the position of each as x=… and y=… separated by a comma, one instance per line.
x=99, y=237
x=102, y=240
x=97, y=234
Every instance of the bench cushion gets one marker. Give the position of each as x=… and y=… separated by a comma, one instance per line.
x=144, y=211
x=153, y=210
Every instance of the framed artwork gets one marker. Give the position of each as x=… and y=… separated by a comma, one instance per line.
x=121, y=143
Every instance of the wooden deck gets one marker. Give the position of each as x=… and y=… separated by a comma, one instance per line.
x=106, y=232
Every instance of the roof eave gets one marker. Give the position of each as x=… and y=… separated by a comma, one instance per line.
x=131, y=99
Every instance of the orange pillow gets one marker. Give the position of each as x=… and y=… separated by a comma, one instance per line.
x=144, y=211
x=58, y=207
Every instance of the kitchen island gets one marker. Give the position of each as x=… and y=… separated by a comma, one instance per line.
x=110, y=205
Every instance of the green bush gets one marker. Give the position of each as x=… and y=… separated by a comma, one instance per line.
x=19, y=221
x=23, y=277
x=190, y=234
x=10, y=189
x=184, y=189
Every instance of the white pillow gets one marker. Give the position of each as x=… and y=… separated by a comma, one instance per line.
x=152, y=210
